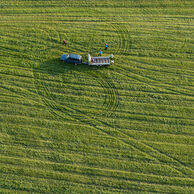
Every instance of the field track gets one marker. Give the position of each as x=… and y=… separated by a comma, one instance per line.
x=126, y=128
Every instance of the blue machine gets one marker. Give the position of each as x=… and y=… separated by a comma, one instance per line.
x=71, y=58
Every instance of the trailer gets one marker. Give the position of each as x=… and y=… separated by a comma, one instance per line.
x=100, y=61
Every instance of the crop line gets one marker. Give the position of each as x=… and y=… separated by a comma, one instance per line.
x=71, y=110
x=106, y=155
x=85, y=166
x=84, y=175
x=110, y=91
x=74, y=167
x=133, y=139
x=78, y=183
x=154, y=83
x=162, y=69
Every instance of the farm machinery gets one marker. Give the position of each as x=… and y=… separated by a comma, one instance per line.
x=94, y=61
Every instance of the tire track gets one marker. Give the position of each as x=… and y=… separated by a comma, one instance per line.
x=124, y=44
x=111, y=101
x=54, y=108
x=111, y=94
x=39, y=85
x=79, y=116
x=156, y=151
x=124, y=39
x=92, y=121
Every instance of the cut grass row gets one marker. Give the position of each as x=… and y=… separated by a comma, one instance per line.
x=126, y=128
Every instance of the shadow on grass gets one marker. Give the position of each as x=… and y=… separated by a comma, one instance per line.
x=56, y=67
x=82, y=74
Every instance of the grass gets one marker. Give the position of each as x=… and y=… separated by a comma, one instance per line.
x=126, y=128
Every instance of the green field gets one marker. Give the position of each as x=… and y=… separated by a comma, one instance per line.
x=124, y=128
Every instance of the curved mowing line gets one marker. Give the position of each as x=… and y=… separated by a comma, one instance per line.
x=41, y=89
x=47, y=99
x=111, y=94
x=108, y=92
x=79, y=115
x=124, y=39
x=89, y=120
x=124, y=44
x=85, y=119
x=112, y=98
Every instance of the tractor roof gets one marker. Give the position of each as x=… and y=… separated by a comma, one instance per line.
x=74, y=56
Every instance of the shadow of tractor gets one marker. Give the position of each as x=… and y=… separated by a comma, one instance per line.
x=56, y=67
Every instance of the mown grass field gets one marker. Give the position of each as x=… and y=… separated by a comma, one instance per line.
x=126, y=128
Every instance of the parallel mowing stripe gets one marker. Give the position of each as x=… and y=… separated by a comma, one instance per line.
x=118, y=139
x=112, y=174
x=99, y=181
